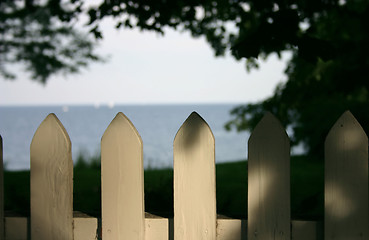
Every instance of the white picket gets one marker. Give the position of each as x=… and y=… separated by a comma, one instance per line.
x=51, y=182
x=122, y=181
x=346, y=181
x=123, y=216
x=269, y=214
x=194, y=181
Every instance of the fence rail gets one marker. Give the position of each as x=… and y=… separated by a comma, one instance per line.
x=123, y=214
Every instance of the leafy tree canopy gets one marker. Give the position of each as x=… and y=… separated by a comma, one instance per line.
x=329, y=41
x=326, y=76
x=250, y=28
x=42, y=36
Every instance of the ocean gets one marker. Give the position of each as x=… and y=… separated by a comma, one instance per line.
x=156, y=124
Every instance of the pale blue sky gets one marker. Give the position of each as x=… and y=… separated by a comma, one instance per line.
x=145, y=68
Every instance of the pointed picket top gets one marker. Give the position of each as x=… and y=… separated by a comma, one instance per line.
x=269, y=123
x=52, y=124
x=122, y=181
x=2, y=233
x=192, y=127
x=269, y=181
x=346, y=180
x=349, y=127
x=119, y=121
x=194, y=181
x=51, y=182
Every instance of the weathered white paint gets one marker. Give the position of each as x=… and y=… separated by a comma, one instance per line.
x=307, y=230
x=346, y=185
x=1, y=191
x=346, y=181
x=85, y=227
x=269, y=214
x=194, y=181
x=122, y=181
x=16, y=228
x=51, y=182
x=230, y=229
x=156, y=228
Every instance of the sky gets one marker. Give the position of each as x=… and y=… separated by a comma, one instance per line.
x=147, y=68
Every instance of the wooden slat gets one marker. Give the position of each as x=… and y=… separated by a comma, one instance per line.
x=156, y=228
x=231, y=229
x=85, y=228
x=122, y=181
x=1, y=190
x=16, y=228
x=307, y=230
x=51, y=182
x=269, y=181
x=194, y=181
x=346, y=181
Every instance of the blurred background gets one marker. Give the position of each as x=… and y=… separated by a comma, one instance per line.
x=157, y=61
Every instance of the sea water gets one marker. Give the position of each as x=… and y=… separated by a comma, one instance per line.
x=156, y=124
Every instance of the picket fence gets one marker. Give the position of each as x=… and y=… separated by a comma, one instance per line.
x=195, y=218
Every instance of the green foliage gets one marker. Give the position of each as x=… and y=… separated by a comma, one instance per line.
x=42, y=36
x=159, y=192
x=231, y=189
x=307, y=188
x=87, y=191
x=324, y=80
x=248, y=28
x=17, y=192
x=83, y=162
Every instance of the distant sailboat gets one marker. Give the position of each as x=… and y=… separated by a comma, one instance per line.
x=65, y=109
x=97, y=105
x=111, y=105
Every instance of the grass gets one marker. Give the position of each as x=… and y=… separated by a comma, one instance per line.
x=307, y=188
